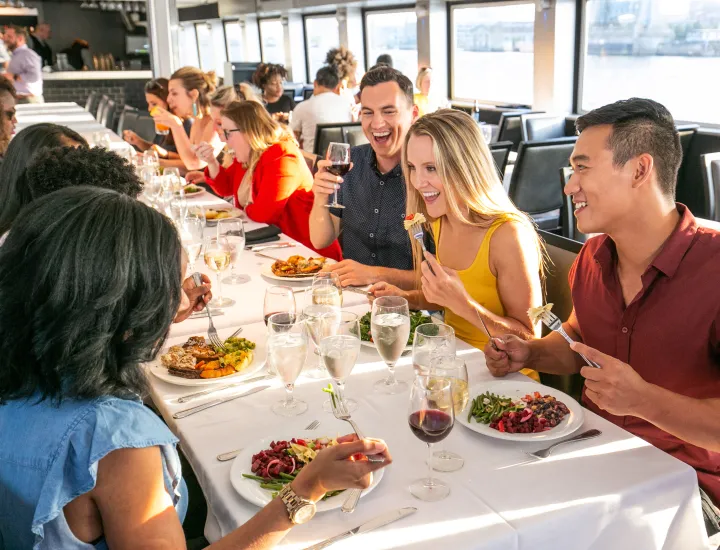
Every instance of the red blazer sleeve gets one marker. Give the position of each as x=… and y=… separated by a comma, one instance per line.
x=277, y=176
x=227, y=181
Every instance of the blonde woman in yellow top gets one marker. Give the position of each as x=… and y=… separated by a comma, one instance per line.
x=489, y=256
x=425, y=101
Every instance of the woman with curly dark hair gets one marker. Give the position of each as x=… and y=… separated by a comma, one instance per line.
x=345, y=63
x=269, y=77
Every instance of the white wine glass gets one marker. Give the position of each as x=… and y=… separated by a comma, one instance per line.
x=340, y=351
x=150, y=158
x=390, y=328
x=191, y=237
x=287, y=349
x=326, y=289
x=234, y=232
x=321, y=321
x=173, y=175
x=443, y=369
x=217, y=258
x=339, y=156
x=431, y=340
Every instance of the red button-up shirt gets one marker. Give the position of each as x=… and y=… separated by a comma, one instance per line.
x=669, y=333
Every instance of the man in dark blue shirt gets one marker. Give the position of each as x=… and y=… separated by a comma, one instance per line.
x=375, y=245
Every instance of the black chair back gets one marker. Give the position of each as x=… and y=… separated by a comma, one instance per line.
x=145, y=127
x=567, y=213
x=108, y=116
x=541, y=126
x=500, y=151
x=307, y=92
x=510, y=127
x=354, y=135
x=686, y=131
x=127, y=119
x=325, y=134
x=534, y=185
x=102, y=104
x=92, y=102
x=711, y=184
x=570, y=121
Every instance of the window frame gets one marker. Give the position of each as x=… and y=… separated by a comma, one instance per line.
x=225, y=35
x=451, y=45
x=260, y=36
x=192, y=24
x=395, y=8
x=305, y=17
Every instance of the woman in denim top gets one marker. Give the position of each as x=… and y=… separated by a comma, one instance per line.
x=90, y=282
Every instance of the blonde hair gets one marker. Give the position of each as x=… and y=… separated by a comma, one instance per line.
x=473, y=191
x=193, y=78
x=425, y=71
x=261, y=131
x=222, y=97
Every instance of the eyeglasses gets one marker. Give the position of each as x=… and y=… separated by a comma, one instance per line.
x=228, y=132
x=10, y=114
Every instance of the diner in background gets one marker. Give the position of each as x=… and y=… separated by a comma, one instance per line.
x=269, y=177
x=270, y=77
x=425, y=99
x=39, y=44
x=644, y=292
x=72, y=415
x=25, y=67
x=346, y=65
x=489, y=258
x=79, y=56
x=375, y=245
x=325, y=106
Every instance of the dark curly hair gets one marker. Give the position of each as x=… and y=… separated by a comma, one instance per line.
x=90, y=282
x=61, y=167
x=23, y=147
x=266, y=71
x=343, y=60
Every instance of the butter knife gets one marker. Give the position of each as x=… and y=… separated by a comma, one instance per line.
x=259, y=247
x=191, y=396
x=193, y=410
x=375, y=523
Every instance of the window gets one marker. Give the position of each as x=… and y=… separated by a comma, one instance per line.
x=492, y=52
x=667, y=50
x=272, y=39
x=393, y=33
x=211, y=43
x=321, y=35
x=187, y=44
x=233, y=40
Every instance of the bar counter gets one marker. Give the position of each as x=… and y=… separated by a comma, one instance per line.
x=123, y=87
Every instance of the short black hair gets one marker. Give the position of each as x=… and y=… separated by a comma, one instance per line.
x=640, y=126
x=380, y=74
x=90, y=282
x=23, y=147
x=384, y=59
x=327, y=77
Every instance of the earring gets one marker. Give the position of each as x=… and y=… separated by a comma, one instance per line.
x=195, y=109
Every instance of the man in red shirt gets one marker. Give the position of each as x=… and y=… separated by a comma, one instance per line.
x=646, y=298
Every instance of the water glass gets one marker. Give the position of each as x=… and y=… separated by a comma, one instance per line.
x=321, y=321
x=234, y=232
x=340, y=351
x=445, y=369
x=432, y=340
x=287, y=349
x=191, y=237
x=390, y=328
x=326, y=289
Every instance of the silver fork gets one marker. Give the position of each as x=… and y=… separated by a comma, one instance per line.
x=544, y=453
x=224, y=457
x=419, y=236
x=552, y=321
x=212, y=331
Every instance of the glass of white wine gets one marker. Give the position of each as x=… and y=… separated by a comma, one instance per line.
x=444, y=369
x=340, y=351
x=287, y=349
x=217, y=258
x=234, y=232
x=191, y=237
x=326, y=289
x=431, y=340
x=390, y=328
x=321, y=321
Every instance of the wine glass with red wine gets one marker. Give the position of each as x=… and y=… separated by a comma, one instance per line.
x=431, y=418
x=339, y=156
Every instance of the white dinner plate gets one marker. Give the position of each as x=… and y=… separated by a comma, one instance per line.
x=197, y=193
x=516, y=390
x=250, y=489
x=260, y=351
x=235, y=213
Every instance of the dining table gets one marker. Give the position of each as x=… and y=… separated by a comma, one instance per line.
x=615, y=491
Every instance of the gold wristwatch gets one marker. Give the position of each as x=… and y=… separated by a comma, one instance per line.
x=300, y=510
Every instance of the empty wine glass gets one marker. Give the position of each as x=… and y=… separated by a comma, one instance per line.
x=234, y=232
x=287, y=349
x=173, y=175
x=191, y=237
x=217, y=258
x=339, y=156
x=340, y=352
x=431, y=418
x=431, y=340
x=444, y=368
x=390, y=328
x=326, y=289
x=321, y=321
x=151, y=186
x=150, y=158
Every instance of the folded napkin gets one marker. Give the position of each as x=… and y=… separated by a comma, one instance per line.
x=263, y=235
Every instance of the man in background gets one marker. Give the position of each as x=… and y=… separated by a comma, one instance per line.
x=384, y=59
x=325, y=106
x=25, y=67
x=39, y=44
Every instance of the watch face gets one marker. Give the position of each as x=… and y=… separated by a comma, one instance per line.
x=304, y=513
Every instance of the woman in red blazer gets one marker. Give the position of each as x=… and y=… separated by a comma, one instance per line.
x=269, y=177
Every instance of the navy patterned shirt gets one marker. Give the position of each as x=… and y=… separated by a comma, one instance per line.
x=372, y=231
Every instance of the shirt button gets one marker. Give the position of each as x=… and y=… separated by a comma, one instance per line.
x=382, y=183
x=372, y=235
x=372, y=255
x=377, y=211
x=624, y=330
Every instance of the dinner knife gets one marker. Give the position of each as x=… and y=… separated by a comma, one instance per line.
x=259, y=247
x=193, y=410
x=375, y=523
x=191, y=396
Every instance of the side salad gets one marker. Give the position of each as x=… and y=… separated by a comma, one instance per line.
x=531, y=414
x=416, y=318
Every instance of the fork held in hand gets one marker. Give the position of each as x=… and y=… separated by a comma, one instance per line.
x=212, y=332
x=552, y=321
x=419, y=236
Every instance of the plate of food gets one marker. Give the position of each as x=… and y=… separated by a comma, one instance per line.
x=295, y=267
x=192, y=190
x=261, y=470
x=521, y=411
x=197, y=363
x=213, y=215
x=416, y=318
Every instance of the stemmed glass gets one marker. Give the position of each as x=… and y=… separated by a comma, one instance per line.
x=326, y=289
x=321, y=321
x=191, y=237
x=150, y=158
x=217, y=258
x=431, y=418
x=390, y=328
x=234, y=232
x=451, y=369
x=339, y=156
x=151, y=186
x=287, y=348
x=431, y=340
x=340, y=352
x=173, y=175
x=279, y=299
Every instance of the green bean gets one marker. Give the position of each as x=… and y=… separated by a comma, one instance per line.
x=257, y=478
x=272, y=486
x=289, y=477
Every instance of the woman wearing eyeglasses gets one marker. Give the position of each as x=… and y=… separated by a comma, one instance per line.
x=269, y=177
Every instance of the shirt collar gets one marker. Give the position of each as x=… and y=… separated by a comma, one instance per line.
x=396, y=172
x=672, y=252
